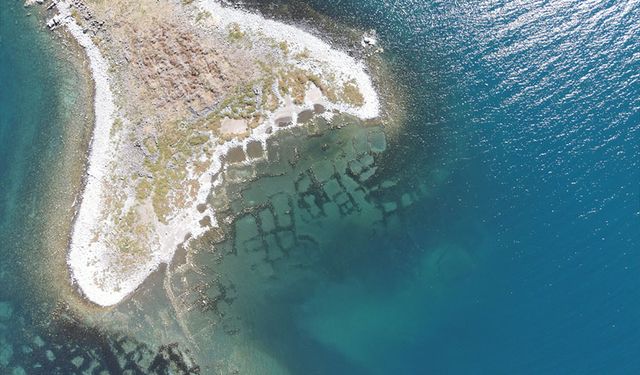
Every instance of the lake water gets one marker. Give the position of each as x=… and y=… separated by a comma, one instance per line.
x=496, y=231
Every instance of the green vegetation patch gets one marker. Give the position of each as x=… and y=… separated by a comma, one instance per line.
x=198, y=140
x=242, y=104
x=327, y=90
x=131, y=235
x=76, y=16
x=284, y=47
x=352, y=95
x=202, y=15
x=305, y=54
x=167, y=164
x=143, y=190
x=235, y=33
x=117, y=125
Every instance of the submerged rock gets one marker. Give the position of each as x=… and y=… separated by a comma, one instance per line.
x=77, y=361
x=6, y=310
x=305, y=116
x=284, y=121
x=38, y=341
x=6, y=352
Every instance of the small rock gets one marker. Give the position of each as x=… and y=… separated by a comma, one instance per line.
x=369, y=41
x=77, y=361
x=50, y=356
x=18, y=371
x=38, y=341
x=6, y=352
x=54, y=22
x=390, y=206
x=93, y=365
x=6, y=310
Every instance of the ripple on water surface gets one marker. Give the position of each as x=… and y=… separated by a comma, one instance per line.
x=495, y=234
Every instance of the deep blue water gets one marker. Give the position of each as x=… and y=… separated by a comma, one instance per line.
x=538, y=103
x=533, y=110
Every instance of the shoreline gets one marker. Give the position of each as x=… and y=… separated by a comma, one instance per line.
x=320, y=50
x=88, y=259
x=58, y=172
x=98, y=153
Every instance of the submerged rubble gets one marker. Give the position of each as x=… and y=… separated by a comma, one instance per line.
x=76, y=349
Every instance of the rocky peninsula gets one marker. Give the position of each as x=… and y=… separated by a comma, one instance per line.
x=183, y=89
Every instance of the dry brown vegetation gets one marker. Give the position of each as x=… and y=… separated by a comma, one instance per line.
x=176, y=83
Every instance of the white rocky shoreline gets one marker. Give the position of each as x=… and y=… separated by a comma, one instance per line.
x=99, y=153
x=90, y=261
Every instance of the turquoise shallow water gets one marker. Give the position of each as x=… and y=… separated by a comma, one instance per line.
x=516, y=250
x=29, y=101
